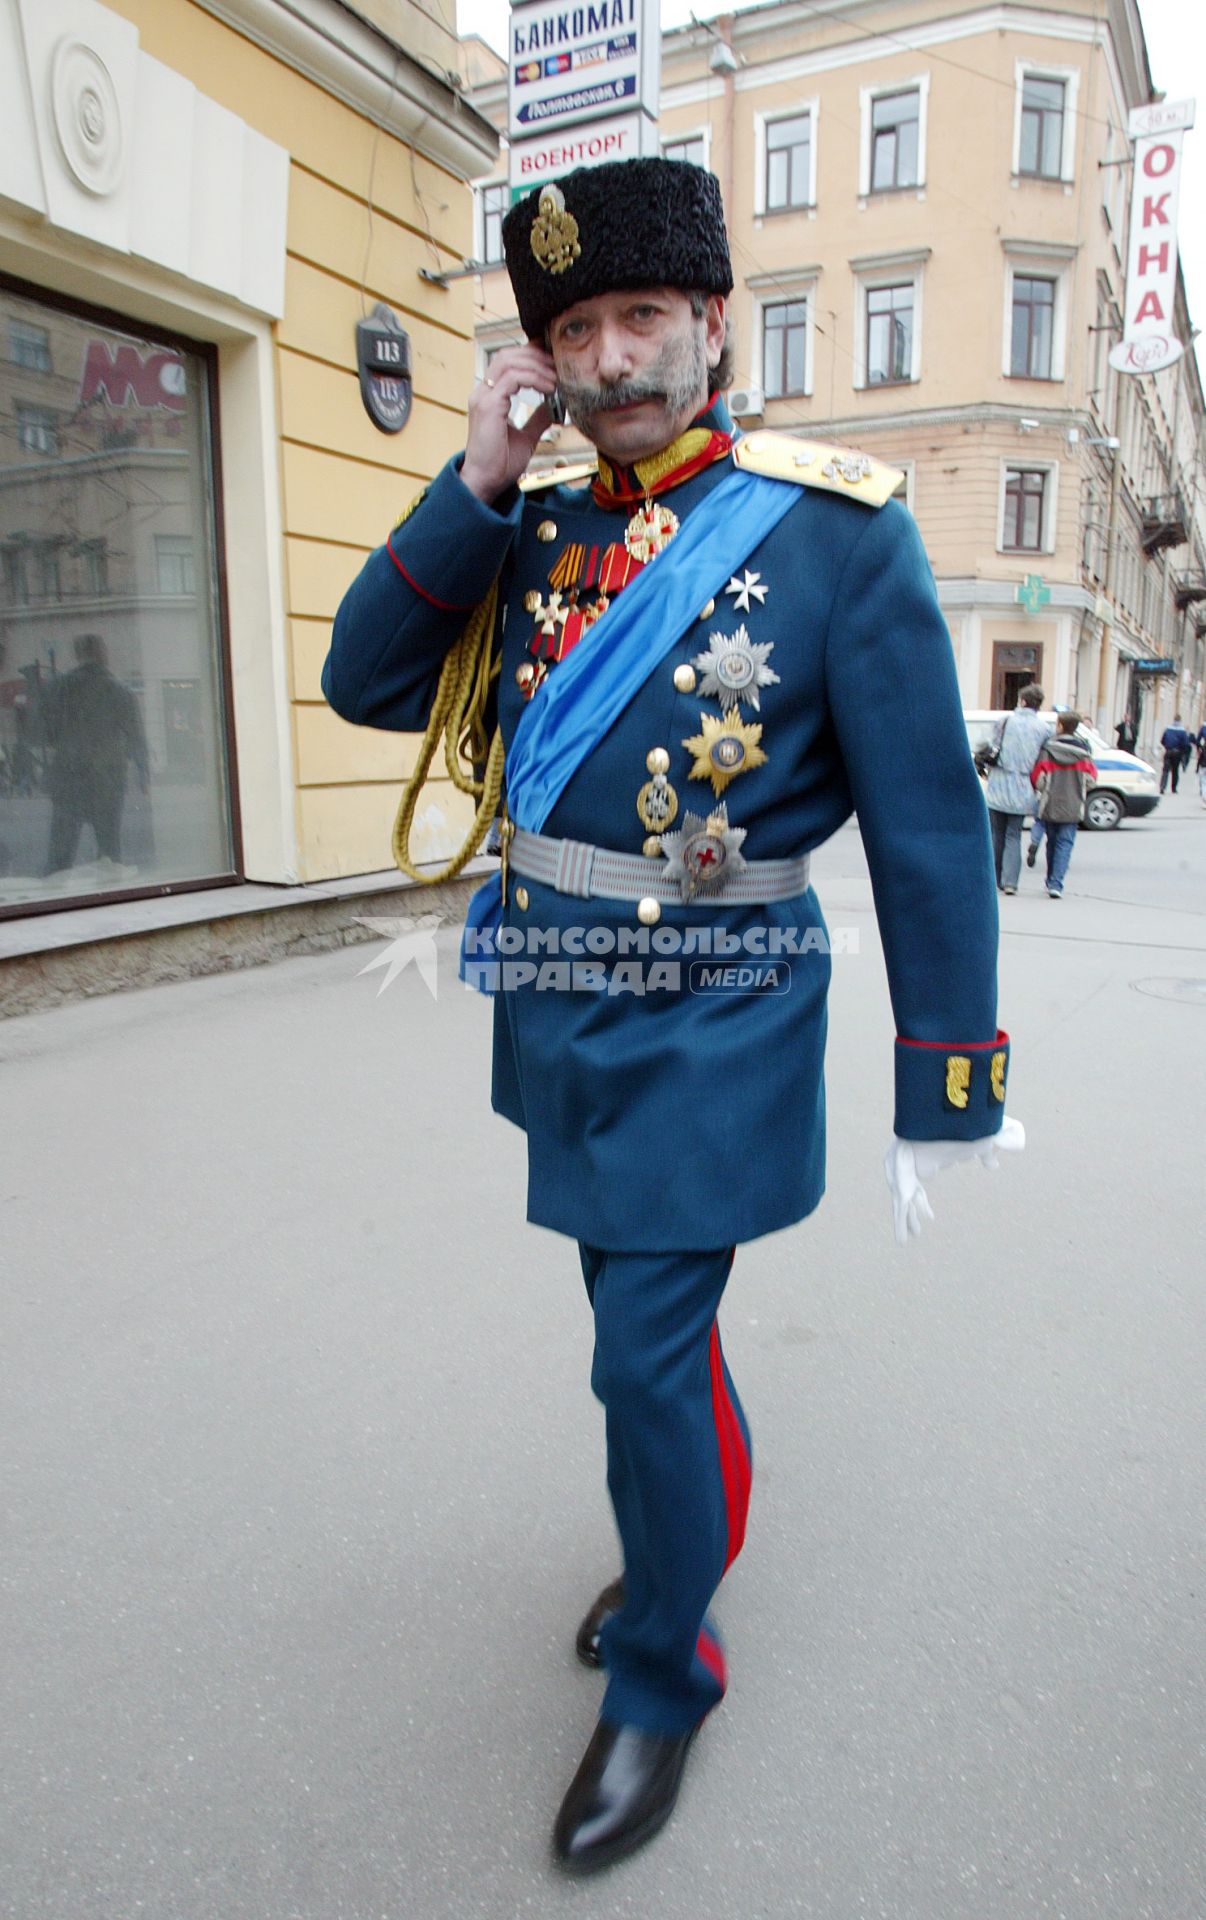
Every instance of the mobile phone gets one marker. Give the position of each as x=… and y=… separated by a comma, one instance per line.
x=557, y=407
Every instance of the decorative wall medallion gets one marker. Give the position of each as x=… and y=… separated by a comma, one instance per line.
x=87, y=116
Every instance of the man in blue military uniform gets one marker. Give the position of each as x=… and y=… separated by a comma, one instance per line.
x=705, y=661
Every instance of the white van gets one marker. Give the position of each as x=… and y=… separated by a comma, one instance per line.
x=1126, y=787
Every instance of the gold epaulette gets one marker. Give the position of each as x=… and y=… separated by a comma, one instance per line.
x=559, y=476
x=809, y=463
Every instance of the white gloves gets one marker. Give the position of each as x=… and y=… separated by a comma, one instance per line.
x=908, y=1163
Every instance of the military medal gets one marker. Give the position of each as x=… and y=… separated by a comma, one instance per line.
x=529, y=675
x=650, y=530
x=724, y=749
x=734, y=668
x=704, y=854
x=657, y=802
x=746, y=589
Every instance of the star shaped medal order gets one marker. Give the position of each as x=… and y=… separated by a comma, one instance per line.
x=703, y=854
x=734, y=668
x=723, y=749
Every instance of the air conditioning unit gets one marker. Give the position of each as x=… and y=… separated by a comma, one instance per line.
x=746, y=403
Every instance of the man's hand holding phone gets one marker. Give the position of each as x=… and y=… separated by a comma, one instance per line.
x=497, y=452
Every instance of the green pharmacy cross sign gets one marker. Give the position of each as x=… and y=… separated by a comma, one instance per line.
x=1032, y=594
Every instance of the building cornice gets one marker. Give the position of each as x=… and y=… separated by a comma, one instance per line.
x=355, y=62
x=1001, y=596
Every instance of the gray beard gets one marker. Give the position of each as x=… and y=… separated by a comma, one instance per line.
x=677, y=378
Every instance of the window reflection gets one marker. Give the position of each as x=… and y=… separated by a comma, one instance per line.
x=113, y=757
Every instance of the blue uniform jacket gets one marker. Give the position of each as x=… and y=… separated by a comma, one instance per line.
x=676, y=1118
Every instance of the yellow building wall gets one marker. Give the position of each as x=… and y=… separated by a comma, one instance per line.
x=343, y=484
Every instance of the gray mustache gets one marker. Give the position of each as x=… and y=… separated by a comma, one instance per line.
x=628, y=393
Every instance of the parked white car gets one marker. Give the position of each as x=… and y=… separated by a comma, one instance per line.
x=1126, y=787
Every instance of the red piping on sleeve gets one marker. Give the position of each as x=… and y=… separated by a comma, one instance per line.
x=445, y=606
x=956, y=1046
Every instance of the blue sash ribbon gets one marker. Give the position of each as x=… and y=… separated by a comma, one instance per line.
x=576, y=706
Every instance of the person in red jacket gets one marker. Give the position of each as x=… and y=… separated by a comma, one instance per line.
x=1061, y=777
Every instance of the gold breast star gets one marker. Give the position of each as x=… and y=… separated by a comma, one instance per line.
x=724, y=748
x=746, y=588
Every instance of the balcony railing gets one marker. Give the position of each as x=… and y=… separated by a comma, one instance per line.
x=1164, y=523
x=1188, y=588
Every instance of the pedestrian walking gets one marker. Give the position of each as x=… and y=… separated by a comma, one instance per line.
x=679, y=657
x=1125, y=734
x=1062, y=776
x=1010, y=797
x=1174, y=741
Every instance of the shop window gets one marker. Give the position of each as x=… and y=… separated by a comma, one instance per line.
x=113, y=729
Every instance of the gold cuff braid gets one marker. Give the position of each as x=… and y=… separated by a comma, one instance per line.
x=458, y=715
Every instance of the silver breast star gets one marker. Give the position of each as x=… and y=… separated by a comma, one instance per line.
x=734, y=668
x=705, y=854
x=742, y=589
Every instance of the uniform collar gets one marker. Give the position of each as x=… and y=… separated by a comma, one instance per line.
x=707, y=439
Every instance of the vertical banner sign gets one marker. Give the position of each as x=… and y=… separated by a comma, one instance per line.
x=1148, y=339
x=582, y=85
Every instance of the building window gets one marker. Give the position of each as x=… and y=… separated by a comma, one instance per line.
x=694, y=150
x=16, y=577
x=1025, y=509
x=889, y=334
x=1041, y=150
x=37, y=429
x=493, y=207
x=1033, y=328
x=48, y=578
x=174, y=570
x=784, y=348
x=94, y=569
x=895, y=140
x=29, y=346
x=788, y=163
x=126, y=483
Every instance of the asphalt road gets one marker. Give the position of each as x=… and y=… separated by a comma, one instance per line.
x=302, y=1480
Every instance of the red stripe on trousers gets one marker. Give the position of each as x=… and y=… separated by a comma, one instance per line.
x=734, y=1457
x=709, y=1653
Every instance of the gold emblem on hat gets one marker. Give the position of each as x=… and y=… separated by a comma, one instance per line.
x=996, y=1075
x=554, y=239
x=724, y=749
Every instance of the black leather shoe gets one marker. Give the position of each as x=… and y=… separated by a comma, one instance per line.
x=586, y=1641
x=623, y=1792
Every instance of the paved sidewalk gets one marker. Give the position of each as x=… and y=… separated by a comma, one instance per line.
x=303, y=1482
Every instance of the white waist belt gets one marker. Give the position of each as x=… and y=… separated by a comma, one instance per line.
x=594, y=873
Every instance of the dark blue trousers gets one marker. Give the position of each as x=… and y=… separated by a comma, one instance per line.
x=678, y=1471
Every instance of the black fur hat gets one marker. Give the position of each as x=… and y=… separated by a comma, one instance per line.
x=630, y=223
